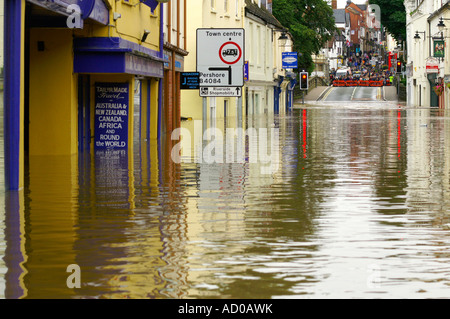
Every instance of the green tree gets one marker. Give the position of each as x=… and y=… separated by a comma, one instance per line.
x=311, y=24
x=393, y=17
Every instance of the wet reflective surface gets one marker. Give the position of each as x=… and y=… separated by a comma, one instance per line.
x=357, y=206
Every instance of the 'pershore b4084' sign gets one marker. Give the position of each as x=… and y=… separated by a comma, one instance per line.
x=220, y=57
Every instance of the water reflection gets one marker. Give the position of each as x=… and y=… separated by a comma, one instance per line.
x=357, y=207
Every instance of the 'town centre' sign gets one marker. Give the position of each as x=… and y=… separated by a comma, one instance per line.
x=220, y=57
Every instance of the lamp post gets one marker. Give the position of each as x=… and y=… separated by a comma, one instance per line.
x=283, y=39
x=417, y=36
x=441, y=25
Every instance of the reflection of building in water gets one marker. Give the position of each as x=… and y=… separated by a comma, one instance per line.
x=112, y=179
x=446, y=174
x=50, y=223
x=173, y=224
x=419, y=158
x=428, y=167
x=14, y=254
x=220, y=196
x=120, y=246
x=215, y=206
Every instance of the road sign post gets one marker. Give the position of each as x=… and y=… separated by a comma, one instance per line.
x=220, y=61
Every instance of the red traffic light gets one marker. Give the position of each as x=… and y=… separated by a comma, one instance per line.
x=304, y=81
x=399, y=66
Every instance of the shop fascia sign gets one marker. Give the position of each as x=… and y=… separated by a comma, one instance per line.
x=94, y=9
x=62, y=6
x=432, y=65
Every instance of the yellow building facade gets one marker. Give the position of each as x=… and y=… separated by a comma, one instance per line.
x=209, y=14
x=80, y=76
x=266, y=84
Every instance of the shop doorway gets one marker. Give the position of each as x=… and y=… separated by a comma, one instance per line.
x=434, y=99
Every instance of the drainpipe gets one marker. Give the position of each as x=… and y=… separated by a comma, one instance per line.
x=161, y=30
x=161, y=55
x=429, y=38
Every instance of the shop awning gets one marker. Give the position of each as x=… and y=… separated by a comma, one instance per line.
x=95, y=10
x=151, y=3
x=116, y=55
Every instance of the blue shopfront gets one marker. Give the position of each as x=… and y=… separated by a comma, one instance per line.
x=21, y=17
x=284, y=93
x=53, y=72
x=114, y=62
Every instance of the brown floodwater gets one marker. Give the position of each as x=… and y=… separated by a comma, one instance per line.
x=356, y=205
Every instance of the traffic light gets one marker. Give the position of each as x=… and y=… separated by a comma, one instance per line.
x=304, y=80
x=399, y=67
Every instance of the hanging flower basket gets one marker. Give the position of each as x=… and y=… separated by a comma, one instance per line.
x=439, y=89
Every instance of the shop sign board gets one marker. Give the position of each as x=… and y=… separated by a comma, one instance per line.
x=215, y=91
x=289, y=60
x=189, y=81
x=432, y=65
x=94, y=9
x=439, y=48
x=111, y=115
x=246, y=72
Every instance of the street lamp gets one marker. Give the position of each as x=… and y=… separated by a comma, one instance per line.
x=441, y=25
x=417, y=36
x=283, y=39
x=400, y=43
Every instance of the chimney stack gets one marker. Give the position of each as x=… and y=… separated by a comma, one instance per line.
x=334, y=4
x=269, y=5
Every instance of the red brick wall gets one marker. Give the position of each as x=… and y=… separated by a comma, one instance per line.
x=168, y=100
x=356, y=14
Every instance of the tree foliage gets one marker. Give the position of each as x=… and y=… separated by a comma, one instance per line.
x=393, y=17
x=310, y=22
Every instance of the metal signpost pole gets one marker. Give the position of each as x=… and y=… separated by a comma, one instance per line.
x=205, y=114
x=239, y=111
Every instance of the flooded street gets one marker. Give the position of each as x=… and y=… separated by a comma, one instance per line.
x=357, y=205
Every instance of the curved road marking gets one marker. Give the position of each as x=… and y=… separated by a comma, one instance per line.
x=326, y=94
x=353, y=93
